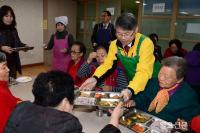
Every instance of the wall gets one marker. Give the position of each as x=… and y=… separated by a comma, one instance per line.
x=52, y=9
x=89, y=13
x=172, y=22
x=29, y=15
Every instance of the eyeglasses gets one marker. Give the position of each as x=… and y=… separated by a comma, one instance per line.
x=74, y=52
x=125, y=35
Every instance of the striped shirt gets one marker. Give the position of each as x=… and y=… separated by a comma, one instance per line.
x=87, y=70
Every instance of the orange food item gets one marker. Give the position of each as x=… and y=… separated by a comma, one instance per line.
x=98, y=95
x=137, y=128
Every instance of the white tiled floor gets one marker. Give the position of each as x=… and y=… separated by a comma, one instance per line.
x=23, y=90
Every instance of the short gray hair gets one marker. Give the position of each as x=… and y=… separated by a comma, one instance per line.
x=2, y=57
x=177, y=63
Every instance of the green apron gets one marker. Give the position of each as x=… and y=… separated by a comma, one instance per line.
x=130, y=63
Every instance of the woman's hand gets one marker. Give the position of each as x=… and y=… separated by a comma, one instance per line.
x=92, y=56
x=116, y=114
x=45, y=47
x=89, y=84
x=7, y=49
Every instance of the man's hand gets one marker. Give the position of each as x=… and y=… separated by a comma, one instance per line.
x=7, y=49
x=92, y=56
x=130, y=103
x=89, y=84
x=126, y=94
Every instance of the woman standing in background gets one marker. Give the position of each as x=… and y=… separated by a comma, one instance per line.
x=9, y=39
x=60, y=42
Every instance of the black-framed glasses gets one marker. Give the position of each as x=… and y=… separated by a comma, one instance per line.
x=125, y=35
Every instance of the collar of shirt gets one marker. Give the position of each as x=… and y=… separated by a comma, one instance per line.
x=105, y=25
x=119, y=44
x=129, y=45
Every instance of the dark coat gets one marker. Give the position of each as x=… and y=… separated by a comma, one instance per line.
x=9, y=37
x=95, y=34
x=193, y=72
x=31, y=118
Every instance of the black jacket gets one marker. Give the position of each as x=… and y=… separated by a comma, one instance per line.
x=100, y=26
x=9, y=37
x=30, y=118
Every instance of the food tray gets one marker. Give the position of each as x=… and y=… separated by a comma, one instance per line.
x=146, y=121
x=136, y=120
x=85, y=101
x=107, y=95
x=139, y=128
x=22, y=48
x=157, y=125
x=136, y=127
x=96, y=98
x=107, y=103
x=137, y=116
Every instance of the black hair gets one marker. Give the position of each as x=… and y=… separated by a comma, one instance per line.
x=4, y=11
x=50, y=88
x=197, y=47
x=101, y=47
x=60, y=23
x=2, y=57
x=81, y=46
x=126, y=21
x=107, y=12
x=177, y=42
x=153, y=36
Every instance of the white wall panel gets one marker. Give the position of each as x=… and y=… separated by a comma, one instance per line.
x=29, y=17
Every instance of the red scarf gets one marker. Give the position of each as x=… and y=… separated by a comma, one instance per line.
x=73, y=69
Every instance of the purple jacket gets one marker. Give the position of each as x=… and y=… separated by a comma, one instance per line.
x=193, y=72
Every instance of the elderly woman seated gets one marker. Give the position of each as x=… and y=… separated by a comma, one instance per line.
x=168, y=96
x=7, y=100
x=52, y=108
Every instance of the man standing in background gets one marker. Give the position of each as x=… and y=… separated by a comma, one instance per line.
x=103, y=32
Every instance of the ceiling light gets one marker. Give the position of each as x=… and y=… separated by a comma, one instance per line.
x=196, y=15
x=137, y=1
x=186, y=13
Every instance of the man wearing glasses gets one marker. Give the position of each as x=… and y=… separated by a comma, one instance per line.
x=103, y=32
x=135, y=53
